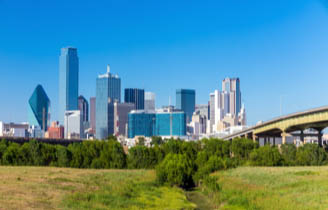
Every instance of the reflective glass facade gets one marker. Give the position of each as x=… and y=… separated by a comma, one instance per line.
x=39, y=108
x=135, y=96
x=108, y=90
x=170, y=124
x=68, y=81
x=186, y=101
x=156, y=124
x=141, y=124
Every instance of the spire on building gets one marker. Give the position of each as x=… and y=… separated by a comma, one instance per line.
x=108, y=68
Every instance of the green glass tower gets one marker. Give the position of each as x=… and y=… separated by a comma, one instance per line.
x=39, y=108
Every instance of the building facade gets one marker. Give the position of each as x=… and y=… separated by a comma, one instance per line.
x=55, y=131
x=141, y=123
x=150, y=101
x=39, y=109
x=84, y=108
x=186, y=101
x=149, y=124
x=170, y=124
x=136, y=97
x=108, y=91
x=73, y=125
x=93, y=114
x=68, y=81
x=121, y=112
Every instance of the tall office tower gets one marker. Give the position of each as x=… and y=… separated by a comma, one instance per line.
x=186, y=101
x=216, y=109
x=39, y=108
x=203, y=109
x=135, y=96
x=108, y=90
x=84, y=108
x=68, y=81
x=121, y=111
x=93, y=114
x=150, y=101
x=73, y=125
x=232, y=86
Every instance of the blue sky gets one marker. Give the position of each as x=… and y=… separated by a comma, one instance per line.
x=278, y=48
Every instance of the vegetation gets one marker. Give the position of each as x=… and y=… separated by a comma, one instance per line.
x=178, y=164
x=268, y=188
x=64, y=188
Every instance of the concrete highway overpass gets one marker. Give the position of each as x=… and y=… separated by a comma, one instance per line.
x=288, y=125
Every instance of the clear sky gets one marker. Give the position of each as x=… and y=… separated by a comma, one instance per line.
x=278, y=48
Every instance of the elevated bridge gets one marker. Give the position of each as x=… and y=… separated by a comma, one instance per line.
x=286, y=125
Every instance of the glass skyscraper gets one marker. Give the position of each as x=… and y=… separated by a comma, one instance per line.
x=68, y=81
x=108, y=90
x=135, y=96
x=39, y=108
x=84, y=108
x=186, y=101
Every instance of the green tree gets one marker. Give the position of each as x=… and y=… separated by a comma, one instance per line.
x=266, y=156
x=175, y=170
x=311, y=155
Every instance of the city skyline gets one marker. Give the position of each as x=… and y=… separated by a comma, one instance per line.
x=276, y=52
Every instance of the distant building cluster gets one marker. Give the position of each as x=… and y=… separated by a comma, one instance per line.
x=136, y=116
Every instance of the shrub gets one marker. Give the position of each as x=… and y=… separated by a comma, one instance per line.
x=214, y=163
x=175, y=170
x=266, y=156
x=288, y=152
x=242, y=148
x=311, y=155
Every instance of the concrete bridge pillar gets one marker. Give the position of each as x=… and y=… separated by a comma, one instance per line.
x=255, y=138
x=283, y=137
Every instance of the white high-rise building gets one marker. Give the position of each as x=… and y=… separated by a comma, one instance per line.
x=150, y=101
x=73, y=125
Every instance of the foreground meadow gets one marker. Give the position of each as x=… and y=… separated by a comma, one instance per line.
x=273, y=188
x=64, y=188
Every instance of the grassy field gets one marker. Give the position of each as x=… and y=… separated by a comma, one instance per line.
x=273, y=188
x=242, y=188
x=58, y=188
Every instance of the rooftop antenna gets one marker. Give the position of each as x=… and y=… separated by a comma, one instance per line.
x=108, y=68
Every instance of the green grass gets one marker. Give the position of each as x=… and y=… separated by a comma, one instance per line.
x=59, y=188
x=273, y=188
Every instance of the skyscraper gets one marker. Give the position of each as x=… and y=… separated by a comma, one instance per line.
x=73, y=125
x=135, y=96
x=150, y=101
x=84, y=108
x=225, y=106
x=68, y=81
x=185, y=101
x=39, y=108
x=232, y=86
x=93, y=114
x=108, y=90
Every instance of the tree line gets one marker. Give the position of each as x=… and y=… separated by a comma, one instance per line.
x=179, y=163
